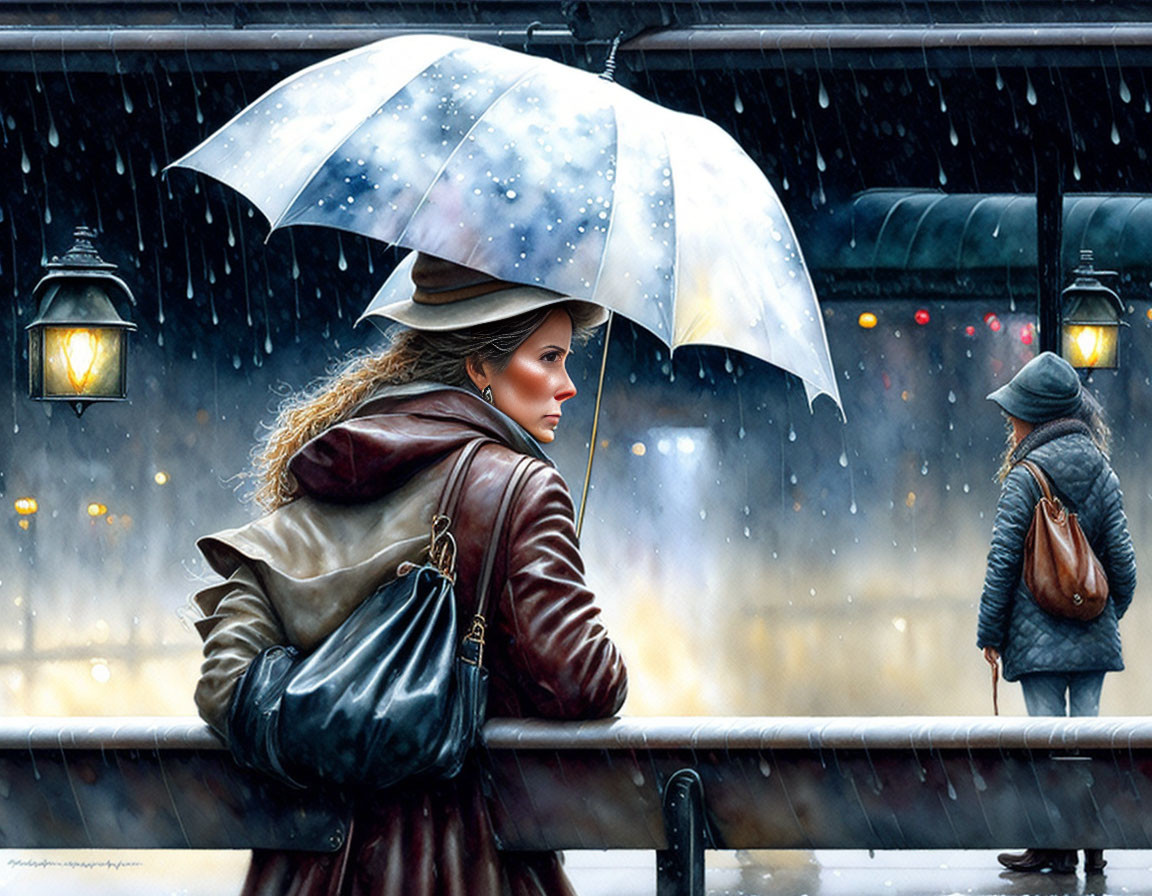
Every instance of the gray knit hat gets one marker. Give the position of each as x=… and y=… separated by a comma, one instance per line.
x=1046, y=388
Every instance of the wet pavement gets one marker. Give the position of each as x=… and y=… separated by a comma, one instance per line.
x=623, y=873
x=856, y=873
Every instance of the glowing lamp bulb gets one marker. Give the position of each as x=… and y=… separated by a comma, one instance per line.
x=80, y=356
x=867, y=320
x=1088, y=341
x=922, y=316
x=25, y=506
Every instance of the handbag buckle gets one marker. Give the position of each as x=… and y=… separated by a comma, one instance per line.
x=442, y=548
x=476, y=636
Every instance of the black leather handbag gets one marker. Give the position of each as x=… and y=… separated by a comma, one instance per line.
x=393, y=692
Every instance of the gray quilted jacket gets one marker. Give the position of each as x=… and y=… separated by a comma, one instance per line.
x=1028, y=638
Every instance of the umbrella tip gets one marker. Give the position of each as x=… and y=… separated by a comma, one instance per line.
x=609, y=73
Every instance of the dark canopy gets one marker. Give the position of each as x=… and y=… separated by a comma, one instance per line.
x=930, y=241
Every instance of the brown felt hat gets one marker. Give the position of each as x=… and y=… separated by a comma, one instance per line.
x=430, y=293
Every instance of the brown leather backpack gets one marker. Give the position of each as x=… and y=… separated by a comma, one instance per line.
x=1060, y=568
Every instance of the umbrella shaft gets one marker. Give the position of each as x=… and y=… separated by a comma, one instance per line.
x=595, y=426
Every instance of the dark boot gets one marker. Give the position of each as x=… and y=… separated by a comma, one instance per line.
x=1058, y=861
x=1029, y=860
x=1094, y=861
x=1062, y=861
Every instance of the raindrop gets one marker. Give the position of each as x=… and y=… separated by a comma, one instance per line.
x=791, y=434
x=1030, y=92
x=1115, y=134
x=25, y=164
x=821, y=165
x=822, y=96
x=119, y=162
x=942, y=176
x=196, y=101
x=236, y=362
x=843, y=459
x=267, y=343
x=342, y=262
x=951, y=397
x=738, y=103
x=128, y=106
x=1076, y=168
x=1125, y=93
x=53, y=134
x=953, y=137
x=999, y=80
x=852, y=508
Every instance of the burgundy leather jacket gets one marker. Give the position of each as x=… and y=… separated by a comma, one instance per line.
x=367, y=490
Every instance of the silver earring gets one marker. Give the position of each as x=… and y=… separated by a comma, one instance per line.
x=486, y=394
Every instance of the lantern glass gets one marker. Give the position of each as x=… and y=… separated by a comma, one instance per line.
x=83, y=362
x=1091, y=345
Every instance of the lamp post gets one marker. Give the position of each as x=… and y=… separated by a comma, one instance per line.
x=77, y=345
x=1090, y=327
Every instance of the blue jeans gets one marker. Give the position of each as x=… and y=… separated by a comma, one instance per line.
x=1044, y=693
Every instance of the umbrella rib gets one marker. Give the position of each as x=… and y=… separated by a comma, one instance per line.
x=282, y=85
x=344, y=139
x=611, y=219
x=675, y=250
x=398, y=241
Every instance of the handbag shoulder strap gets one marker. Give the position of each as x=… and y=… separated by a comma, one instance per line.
x=472, y=646
x=454, y=484
x=442, y=547
x=1039, y=476
x=511, y=490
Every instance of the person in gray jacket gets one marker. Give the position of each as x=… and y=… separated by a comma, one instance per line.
x=1060, y=663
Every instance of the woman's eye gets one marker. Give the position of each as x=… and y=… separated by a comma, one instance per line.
x=550, y=357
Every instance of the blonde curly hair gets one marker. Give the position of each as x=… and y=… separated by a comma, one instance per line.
x=409, y=356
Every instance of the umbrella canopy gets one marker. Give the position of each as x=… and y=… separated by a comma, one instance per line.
x=535, y=173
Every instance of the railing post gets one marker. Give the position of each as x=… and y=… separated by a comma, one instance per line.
x=680, y=867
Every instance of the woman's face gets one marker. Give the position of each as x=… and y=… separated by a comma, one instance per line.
x=531, y=388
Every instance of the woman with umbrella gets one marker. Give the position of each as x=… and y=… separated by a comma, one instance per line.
x=351, y=472
x=1056, y=424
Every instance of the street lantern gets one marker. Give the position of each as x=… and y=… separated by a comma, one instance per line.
x=1091, y=318
x=77, y=345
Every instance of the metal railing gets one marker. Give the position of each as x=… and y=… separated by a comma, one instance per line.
x=678, y=786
